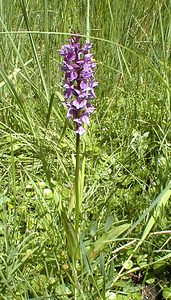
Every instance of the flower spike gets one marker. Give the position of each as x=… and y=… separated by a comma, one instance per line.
x=79, y=83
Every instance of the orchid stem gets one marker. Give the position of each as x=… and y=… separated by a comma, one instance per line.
x=77, y=208
x=88, y=22
x=77, y=188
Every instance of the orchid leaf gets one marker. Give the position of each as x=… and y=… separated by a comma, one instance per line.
x=73, y=244
x=105, y=239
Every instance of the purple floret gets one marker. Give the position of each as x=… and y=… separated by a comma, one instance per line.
x=79, y=83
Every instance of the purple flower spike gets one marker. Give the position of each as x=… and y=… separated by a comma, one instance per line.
x=79, y=83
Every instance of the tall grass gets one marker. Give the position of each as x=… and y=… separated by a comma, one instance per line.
x=127, y=149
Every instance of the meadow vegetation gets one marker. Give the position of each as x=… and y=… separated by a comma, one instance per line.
x=125, y=224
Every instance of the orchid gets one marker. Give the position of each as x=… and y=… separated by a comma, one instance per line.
x=79, y=83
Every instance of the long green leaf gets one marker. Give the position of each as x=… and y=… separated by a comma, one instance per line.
x=18, y=99
x=24, y=10
x=105, y=239
x=162, y=200
x=73, y=244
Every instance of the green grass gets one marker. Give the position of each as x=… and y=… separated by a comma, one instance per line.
x=127, y=167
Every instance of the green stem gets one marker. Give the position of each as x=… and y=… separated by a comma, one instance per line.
x=88, y=22
x=77, y=188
